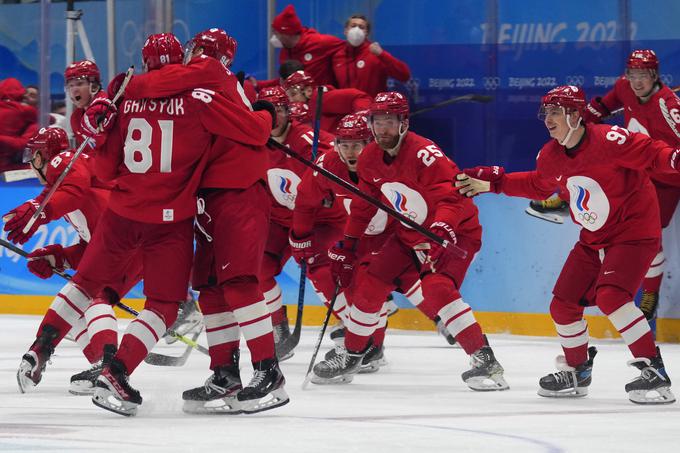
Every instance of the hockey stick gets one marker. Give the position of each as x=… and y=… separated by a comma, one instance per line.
x=308, y=377
x=294, y=339
x=77, y=154
x=482, y=98
x=153, y=358
x=186, y=340
x=459, y=252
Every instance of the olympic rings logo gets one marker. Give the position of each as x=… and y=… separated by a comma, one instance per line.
x=289, y=197
x=576, y=80
x=588, y=217
x=491, y=83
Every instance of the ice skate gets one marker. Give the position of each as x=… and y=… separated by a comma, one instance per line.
x=33, y=363
x=83, y=383
x=553, y=209
x=265, y=390
x=443, y=331
x=281, y=335
x=486, y=373
x=217, y=395
x=336, y=333
x=569, y=382
x=653, y=386
x=340, y=368
x=372, y=361
x=113, y=391
x=189, y=319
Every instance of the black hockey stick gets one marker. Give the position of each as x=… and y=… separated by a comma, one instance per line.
x=317, y=346
x=459, y=252
x=292, y=341
x=466, y=98
x=188, y=341
x=77, y=154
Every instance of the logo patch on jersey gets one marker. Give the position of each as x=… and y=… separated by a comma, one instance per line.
x=589, y=204
x=283, y=185
x=376, y=225
x=168, y=215
x=406, y=201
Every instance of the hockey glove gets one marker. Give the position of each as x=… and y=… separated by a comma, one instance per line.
x=303, y=248
x=439, y=256
x=18, y=217
x=596, y=111
x=268, y=106
x=99, y=116
x=43, y=262
x=114, y=86
x=476, y=180
x=343, y=257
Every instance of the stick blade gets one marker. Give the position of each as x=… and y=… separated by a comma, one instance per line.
x=168, y=360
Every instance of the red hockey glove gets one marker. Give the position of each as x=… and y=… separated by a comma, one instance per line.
x=596, y=111
x=343, y=257
x=439, y=256
x=99, y=116
x=43, y=262
x=17, y=218
x=114, y=86
x=489, y=179
x=303, y=248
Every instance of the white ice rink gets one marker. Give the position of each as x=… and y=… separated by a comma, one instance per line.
x=417, y=403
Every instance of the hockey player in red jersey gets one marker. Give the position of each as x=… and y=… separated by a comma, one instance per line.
x=415, y=177
x=601, y=170
x=80, y=203
x=156, y=151
x=651, y=108
x=232, y=230
x=300, y=87
x=283, y=176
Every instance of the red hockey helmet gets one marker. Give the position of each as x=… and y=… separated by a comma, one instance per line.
x=299, y=111
x=275, y=95
x=299, y=79
x=84, y=69
x=161, y=49
x=50, y=141
x=389, y=102
x=643, y=59
x=353, y=127
x=216, y=43
x=568, y=96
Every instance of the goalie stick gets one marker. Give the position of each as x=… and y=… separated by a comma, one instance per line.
x=79, y=151
x=293, y=340
x=459, y=252
x=317, y=346
x=190, y=342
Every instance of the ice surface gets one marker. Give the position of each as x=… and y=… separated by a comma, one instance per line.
x=417, y=403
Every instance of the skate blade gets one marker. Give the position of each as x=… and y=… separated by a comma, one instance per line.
x=487, y=383
x=338, y=380
x=275, y=399
x=661, y=395
x=224, y=406
x=550, y=217
x=24, y=382
x=81, y=388
x=105, y=399
x=569, y=393
x=373, y=366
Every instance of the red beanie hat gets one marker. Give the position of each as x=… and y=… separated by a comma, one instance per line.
x=287, y=22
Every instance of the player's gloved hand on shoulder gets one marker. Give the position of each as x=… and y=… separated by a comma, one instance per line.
x=476, y=180
x=343, y=257
x=99, y=116
x=439, y=256
x=17, y=219
x=302, y=248
x=43, y=262
x=268, y=106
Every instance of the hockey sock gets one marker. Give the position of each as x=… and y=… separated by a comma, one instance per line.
x=368, y=297
x=221, y=327
x=572, y=330
x=66, y=309
x=441, y=298
x=379, y=334
x=654, y=276
x=248, y=305
x=144, y=332
x=79, y=334
x=272, y=297
x=628, y=320
x=102, y=327
x=339, y=308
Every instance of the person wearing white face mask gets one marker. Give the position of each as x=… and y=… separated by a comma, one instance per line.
x=363, y=64
x=306, y=45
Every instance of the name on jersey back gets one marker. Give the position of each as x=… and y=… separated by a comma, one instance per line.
x=167, y=106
